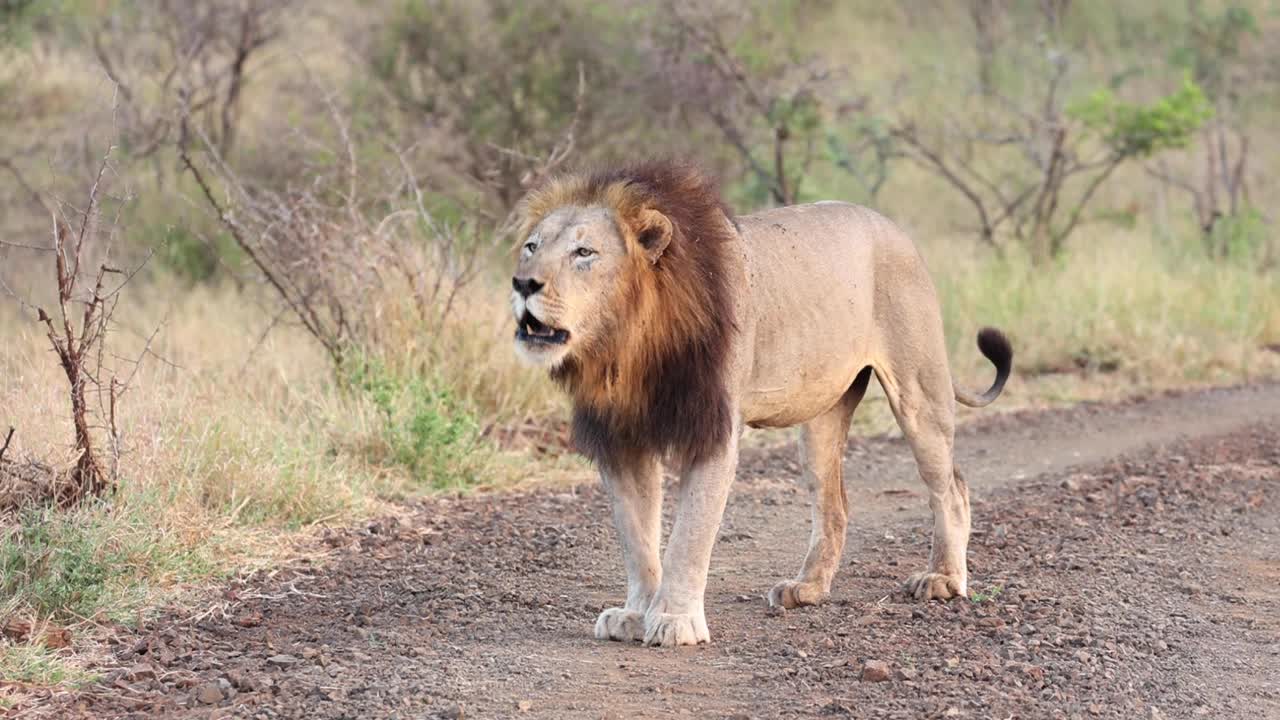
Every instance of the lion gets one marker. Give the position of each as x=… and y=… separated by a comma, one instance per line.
x=672, y=324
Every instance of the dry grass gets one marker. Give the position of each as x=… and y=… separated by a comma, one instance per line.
x=232, y=448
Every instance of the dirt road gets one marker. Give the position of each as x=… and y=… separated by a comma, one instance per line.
x=1125, y=563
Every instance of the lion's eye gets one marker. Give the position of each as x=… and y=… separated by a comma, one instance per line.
x=529, y=247
x=584, y=252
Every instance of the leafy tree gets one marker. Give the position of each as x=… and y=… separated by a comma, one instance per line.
x=1031, y=164
x=1221, y=52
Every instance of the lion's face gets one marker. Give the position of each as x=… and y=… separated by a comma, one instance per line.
x=566, y=283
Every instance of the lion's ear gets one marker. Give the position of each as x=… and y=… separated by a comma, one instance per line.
x=653, y=231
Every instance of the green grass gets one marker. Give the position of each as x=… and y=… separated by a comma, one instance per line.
x=1151, y=312
x=94, y=562
x=422, y=426
x=38, y=665
x=990, y=595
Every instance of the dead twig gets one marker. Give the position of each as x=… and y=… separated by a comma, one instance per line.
x=77, y=330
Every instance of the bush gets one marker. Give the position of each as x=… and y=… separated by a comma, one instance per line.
x=186, y=255
x=425, y=428
x=1243, y=236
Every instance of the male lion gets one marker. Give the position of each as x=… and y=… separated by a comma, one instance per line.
x=672, y=325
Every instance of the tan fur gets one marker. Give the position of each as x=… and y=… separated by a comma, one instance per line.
x=781, y=320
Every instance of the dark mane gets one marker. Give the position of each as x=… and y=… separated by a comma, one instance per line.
x=657, y=384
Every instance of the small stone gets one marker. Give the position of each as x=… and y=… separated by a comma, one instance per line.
x=239, y=679
x=309, y=652
x=875, y=671
x=453, y=712
x=249, y=620
x=524, y=706
x=141, y=671
x=1083, y=657
x=209, y=693
x=282, y=660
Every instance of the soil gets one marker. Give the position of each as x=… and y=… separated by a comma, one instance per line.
x=1125, y=563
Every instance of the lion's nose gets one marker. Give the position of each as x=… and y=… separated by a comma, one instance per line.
x=526, y=286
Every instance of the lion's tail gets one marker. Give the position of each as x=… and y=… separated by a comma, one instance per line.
x=996, y=348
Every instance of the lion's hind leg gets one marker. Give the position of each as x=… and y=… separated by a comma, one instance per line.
x=822, y=452
x=922, y=400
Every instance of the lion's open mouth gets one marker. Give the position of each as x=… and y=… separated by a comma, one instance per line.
x=532, y=330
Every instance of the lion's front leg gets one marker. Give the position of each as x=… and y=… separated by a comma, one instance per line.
x=636, y=495
x=676, y=615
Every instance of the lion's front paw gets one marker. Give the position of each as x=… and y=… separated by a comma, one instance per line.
x=671, y=629
x=926, y=586
x=620, y=624
x=793, y=594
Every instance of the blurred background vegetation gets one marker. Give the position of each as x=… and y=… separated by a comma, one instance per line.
x=312, y=203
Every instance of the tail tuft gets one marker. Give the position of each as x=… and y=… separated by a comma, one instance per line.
x=995, y=347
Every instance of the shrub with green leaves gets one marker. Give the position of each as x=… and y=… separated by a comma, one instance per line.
x=1133, y=130
x=426, y=429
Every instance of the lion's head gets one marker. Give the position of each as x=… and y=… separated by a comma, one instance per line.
x=621, y=292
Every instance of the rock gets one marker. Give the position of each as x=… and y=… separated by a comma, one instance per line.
x=249, y=620
x=453, y=712
x=309, y=652
x=282, y=660
x=239, y=679
x=875, y=671
x=141, y=671
x=209, y=694
x=524, y=706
